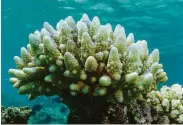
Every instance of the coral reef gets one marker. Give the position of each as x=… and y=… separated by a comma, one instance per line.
x=115, y=114
x=15, y=115
x=151, y=109
x=137, y=112
x=95, y=69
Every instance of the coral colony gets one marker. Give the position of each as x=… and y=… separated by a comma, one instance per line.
x=15, y=115
x=87, y=58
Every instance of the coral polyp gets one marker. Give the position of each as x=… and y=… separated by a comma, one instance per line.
x=86, y=58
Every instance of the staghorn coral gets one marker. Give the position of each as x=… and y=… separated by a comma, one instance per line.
x=86, y=58
x=15, y=115
x=168, y=102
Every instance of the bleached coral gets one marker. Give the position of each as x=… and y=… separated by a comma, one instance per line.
x=168, y=101
x=86, y=58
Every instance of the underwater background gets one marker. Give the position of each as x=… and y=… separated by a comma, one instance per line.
x=160, y=22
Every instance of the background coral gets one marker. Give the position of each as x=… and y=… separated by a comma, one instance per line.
x=168, y=102
x=15, y=115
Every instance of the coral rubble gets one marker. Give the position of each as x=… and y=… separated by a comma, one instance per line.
x=15, y=115
x=86, y=61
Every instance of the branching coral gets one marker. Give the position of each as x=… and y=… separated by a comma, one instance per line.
x=95, y=67
x=86, y=58
x=167, y=102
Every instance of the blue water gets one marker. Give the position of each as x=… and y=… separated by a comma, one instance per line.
x=160, y=22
